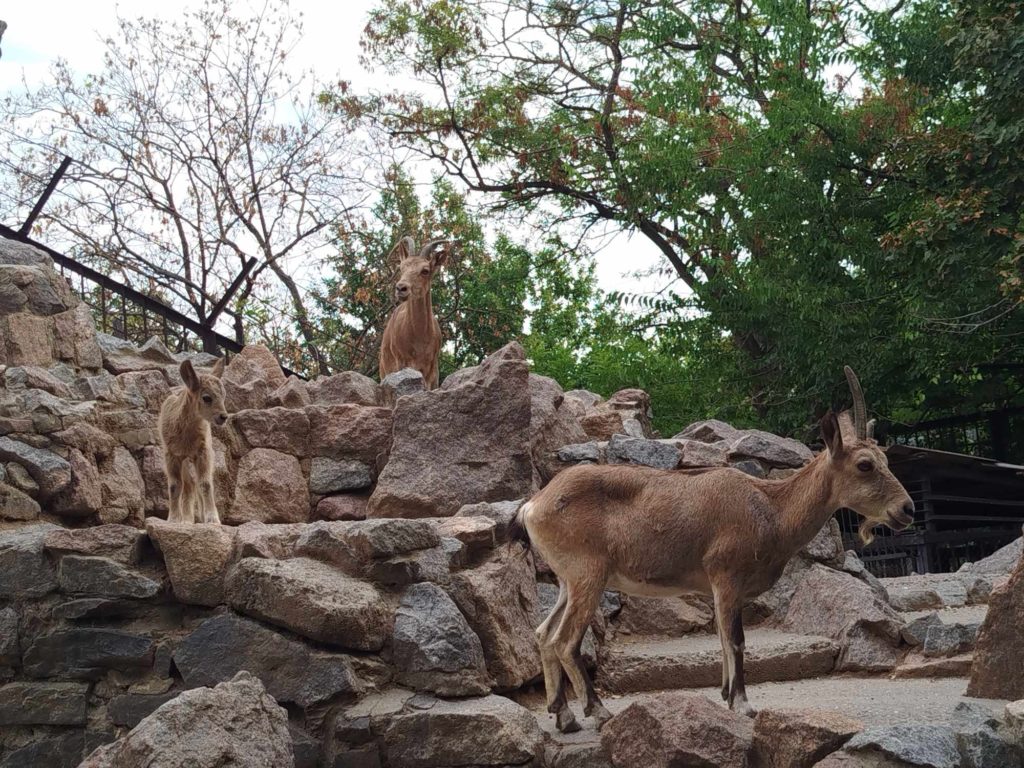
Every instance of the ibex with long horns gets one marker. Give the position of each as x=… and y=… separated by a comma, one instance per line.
x=412, y=337
x=717, y=532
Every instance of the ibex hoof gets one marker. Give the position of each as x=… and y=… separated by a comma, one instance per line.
x=565, y=721
x=743, y=708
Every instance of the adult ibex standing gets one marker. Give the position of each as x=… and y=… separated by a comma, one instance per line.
x=412, y=337
x=718, y=532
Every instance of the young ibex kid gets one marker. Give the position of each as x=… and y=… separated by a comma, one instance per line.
x=185, y=419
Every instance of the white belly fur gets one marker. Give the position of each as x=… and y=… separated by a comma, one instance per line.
x=640, y=589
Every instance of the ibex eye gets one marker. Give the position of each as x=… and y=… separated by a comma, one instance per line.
x=865, y=466
x=207, y=399
x=425, y=272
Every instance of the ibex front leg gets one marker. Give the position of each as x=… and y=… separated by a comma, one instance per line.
x=729, y=619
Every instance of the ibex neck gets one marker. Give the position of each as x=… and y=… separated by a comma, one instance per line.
x=804, y=501
x=420, y=311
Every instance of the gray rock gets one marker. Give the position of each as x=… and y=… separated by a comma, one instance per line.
x=350, y=545
x=915, y=632
x=648, y=453
x=999, y=563
x=486, y=731
x=434, y=648
x=983, y=739
x=305, y=748
x=10, y=647
x=19, y=477
x=25, y=571
x=43, y=703
x=331, y=475
x=122, y=543
x=750, y=467
x=16, y=504
x=771, y=449
x=430, y=565
x=103, y=577
x=950, y=639
x=709, y=431
x=14, y=252
x=62, y=751
x=313, y=599
x=344, y=387
x=87, y=653
x=234, y=724
x=696, y=453
x=501, y=512
x=407, y=381
x=584, y=397
x=580, y=453
x=50, y=471
x=929, y=746
x=130, y=709
x=291, y=671
x=120, y=356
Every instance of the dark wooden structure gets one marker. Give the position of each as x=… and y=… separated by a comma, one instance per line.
x=967, y=507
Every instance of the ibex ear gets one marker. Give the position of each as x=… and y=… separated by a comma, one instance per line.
x=402, y=251
x=218, y=369
x=831, y=433
x=188, y=375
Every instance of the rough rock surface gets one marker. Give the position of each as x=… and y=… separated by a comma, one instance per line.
x=25, y=571
x=234, y=724
x=270, y=489
x=197, y=558
x=250, y=378
x=678, y=729
x=461, y=444
x=997, y=671
x=799, y=738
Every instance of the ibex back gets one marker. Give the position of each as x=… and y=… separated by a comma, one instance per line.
x=719, y=533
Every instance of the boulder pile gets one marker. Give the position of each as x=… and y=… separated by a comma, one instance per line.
x=359, y=607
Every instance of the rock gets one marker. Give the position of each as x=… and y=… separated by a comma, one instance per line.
x=915, y=667
x=434, y=648
x=460, y=445
x=330, y=475
x=603, y=424
x=103, y=577
x=499, y=600
x=999, y=563
x=799, y=738
x=344, y=507
x=283, y=429
x=234, y=724
x=1014, y=717
x=678, y=729
x=552, y=424
x=273, y=541
x=130, y=709
x=29, y=339
x=19, y=478
x=768, y=448
x=43, y=703
x=352, y=545
x=17, y=505
x=501, y=512
x=997, y=672
x=949, y=639
x=696, y=454
x=87, y=653
x=478, y=534
x=120, y=356
x=929, y=746
x=915, y=632
x=908, y=596
x=150, y=387
x=345, y=387
x=84, y=496
x=292, y=672
x=75, y=338
x=25, y=571
x=980, y=737
x=423, y=565
x=50, y=471
x=15, y=252
x=61, y=751
x=197, y=557
x=407, y=381
x=312, y=599
x=34, y=377
x=120, y=543
x=867, y=629
x=10, y=647
x=648, y=453
x=350, y=431
x=750, y=467
x=581, y=453
x=488, y=731
x=827, y=545
x=292, y=394
x=250, y=378
x=270, y=488
x=154, y=479
x=664, y=616
x=583, y=398
x=709, y=431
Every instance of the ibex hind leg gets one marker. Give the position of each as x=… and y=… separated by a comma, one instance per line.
x=554, y=675
x=567, y=639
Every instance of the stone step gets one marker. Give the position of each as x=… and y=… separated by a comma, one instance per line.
x=696, y=661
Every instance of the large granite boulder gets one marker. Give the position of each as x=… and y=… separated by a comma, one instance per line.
x=998, y=672
x=197, y=558
x=250, y=378
x=270, y=488
x=467, y=442
x=234, y=724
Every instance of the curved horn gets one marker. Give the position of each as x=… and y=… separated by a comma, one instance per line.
x=427, y=249
x=871, y=429
x=409, y=245
x=860, y=409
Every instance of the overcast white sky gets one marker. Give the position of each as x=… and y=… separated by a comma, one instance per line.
x=40, y=31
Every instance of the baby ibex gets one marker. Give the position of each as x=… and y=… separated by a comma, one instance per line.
x=185, y=419
x=720, y=533
x=412, y=337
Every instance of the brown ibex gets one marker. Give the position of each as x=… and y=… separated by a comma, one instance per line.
x=185, y=419
x=412, y=336
x=719, y=533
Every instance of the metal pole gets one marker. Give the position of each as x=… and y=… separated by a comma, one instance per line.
x=37, y=209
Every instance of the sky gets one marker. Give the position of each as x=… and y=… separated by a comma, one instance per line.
x=38, y=33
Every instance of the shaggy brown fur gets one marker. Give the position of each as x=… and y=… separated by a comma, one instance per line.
x=412, y=337
x=719, y=533
x=185, y=419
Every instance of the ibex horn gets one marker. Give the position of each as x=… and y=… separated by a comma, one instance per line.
x=427, y=249
x=860, y=409
x=409, y=245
